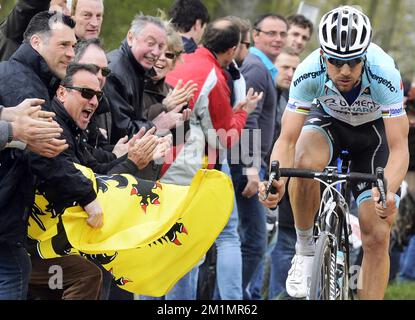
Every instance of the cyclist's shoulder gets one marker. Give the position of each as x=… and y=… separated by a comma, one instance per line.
x=310, y=71
x=378, y=58
x=381, y=66
x=383, y=74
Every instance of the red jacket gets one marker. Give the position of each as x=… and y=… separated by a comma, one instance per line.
x=212, y=123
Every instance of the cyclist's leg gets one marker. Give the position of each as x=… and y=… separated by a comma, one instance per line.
x=375, y=234
x=372, y=152
x=313, y=151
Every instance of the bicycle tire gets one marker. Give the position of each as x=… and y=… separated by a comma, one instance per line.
x=323, y=279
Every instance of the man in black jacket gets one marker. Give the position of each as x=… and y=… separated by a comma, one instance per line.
x=12, y=28
x=131, y=65
x=76, y=101
x=14, y=25
x=28, y=74
x=91, y=52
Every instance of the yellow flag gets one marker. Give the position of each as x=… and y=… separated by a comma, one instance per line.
x=153, y=233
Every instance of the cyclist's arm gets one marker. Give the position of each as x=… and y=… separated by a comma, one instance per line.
x=397, y=135
x=284, y=147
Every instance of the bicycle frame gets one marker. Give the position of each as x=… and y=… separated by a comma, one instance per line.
x=332, y=219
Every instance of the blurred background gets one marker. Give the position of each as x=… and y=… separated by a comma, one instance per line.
x=393, y=20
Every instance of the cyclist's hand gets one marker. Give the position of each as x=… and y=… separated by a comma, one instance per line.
x=390, y=209
x=273, y=199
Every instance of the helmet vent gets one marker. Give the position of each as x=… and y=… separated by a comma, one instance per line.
x=345, y=21
x=324, y=34
x=363, y=37
x=334, y=35
x=343, y=39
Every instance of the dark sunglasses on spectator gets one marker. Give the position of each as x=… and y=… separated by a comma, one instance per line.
x=338, y=63
x=105, y=71
x=172, y=55
x=247, y=44
x=87, y=93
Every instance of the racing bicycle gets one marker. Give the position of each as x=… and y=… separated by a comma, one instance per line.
x=331, y=266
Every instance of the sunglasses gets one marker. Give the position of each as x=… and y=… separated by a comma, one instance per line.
x=87, y=93
x=105, y=71
x=172, y=55
x=338, y=63
x=247, y=44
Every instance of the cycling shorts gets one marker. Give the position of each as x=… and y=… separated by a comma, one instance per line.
x=366, y=144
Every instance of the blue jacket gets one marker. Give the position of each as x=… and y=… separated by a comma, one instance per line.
x=258, y=77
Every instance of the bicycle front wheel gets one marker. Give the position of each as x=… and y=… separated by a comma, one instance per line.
x=323, y=278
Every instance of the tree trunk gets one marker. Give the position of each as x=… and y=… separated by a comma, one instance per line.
x=393, y=11
x=373, y=7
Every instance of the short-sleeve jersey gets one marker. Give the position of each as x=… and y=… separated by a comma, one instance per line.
x=381, y=93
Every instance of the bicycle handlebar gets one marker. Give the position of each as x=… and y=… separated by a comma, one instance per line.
x=378, y=179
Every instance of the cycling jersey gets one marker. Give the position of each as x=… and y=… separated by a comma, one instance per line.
x=381, y=93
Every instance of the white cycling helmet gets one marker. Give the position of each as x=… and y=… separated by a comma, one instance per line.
x=345, y=33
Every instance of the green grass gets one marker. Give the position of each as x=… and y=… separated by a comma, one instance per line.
x=401, y=291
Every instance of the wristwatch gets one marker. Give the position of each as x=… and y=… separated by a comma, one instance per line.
x=10, y=131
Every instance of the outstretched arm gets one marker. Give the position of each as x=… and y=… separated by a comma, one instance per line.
x=284, y=152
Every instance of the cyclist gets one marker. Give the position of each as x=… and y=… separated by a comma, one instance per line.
x=358, y=106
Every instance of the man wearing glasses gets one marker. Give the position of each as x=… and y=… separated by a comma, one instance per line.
x=358, y=107
x=269, y=37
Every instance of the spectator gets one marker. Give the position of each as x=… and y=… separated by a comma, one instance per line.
x=189, y=17
x=91, y=52
x=299, y=33
x=243, y=49
x=228, y=243
x=159, y=96
x=60, y=6
x=88, y=15
x=284, y=249
x=36, y=69
x=286, y=64
x=32, y=71
x=212, y=121
x=269, y=36
x=76, y=100
x=27, y=124
x=14, y=25
x=131, y=65
x=300, y=30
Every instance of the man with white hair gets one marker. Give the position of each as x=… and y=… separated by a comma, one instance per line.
x=130, y=65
